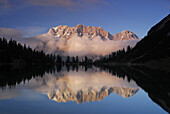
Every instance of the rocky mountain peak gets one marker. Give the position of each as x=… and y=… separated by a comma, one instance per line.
x=79, y=25
x=125, y=35
x=126, y=31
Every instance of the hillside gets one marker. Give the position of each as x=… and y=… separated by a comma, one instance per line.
x=154, y=46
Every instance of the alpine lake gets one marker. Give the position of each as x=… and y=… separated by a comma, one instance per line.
x=84, y=90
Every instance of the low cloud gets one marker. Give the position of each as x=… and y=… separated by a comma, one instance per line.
x=18, y=35
x=10, y=33
x=9, y=93
x=85, y=46
x=77, y=46
x=32, y=30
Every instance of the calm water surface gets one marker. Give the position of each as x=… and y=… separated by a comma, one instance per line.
x=83, y=90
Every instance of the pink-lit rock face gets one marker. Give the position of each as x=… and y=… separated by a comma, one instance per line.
x=125, y=35
x=63, y=31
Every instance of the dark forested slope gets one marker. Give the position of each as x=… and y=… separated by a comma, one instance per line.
x=155, y=46
x=14, y=53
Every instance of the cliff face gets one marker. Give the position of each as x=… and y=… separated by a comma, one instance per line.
x=90, y=94
x=83, y=31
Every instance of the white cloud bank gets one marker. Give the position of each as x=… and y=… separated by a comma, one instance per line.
x=77, y=46
x=96, y=46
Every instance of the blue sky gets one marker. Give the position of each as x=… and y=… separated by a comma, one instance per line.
x=37, y=16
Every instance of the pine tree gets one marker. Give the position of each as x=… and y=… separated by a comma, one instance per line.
x=68, y=59
x=59, y=60
x=77, y=59
x=73, y=60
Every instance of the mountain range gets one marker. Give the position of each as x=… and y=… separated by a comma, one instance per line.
x=82, y=31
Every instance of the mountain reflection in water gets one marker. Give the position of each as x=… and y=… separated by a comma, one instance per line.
x=86, y=84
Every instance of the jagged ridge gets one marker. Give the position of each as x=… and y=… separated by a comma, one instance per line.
x=64, y=31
